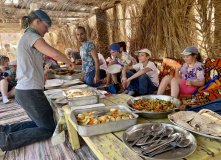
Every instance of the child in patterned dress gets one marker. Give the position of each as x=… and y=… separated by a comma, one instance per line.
x=187, y=78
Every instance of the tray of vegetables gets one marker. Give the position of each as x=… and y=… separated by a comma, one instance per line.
x=115, y=118
x=154, y=106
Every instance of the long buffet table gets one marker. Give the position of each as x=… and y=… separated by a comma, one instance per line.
x=111, y=146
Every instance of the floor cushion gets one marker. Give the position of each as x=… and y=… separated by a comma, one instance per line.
x=168, y=68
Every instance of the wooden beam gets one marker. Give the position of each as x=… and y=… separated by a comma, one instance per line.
x=47, y=10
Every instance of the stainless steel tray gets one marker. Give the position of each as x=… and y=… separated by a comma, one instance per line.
x=153, y=115
x=91, y=130
x=83, y=100
x=65, y=77
x=202, y=134
x=176, y=153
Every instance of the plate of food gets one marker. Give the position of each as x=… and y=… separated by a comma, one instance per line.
x=115, y=68
x=205, y=123
x=159, y=141
x=154, y=106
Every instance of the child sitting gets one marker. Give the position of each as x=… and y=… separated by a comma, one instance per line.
x=187, y=78
x=145, y=80
x=121, y=58
x=7, y=79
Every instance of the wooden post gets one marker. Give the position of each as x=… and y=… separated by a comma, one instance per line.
x=103, y=41
x=217, y=34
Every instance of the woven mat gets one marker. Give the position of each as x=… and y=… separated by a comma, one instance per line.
x=12, y=112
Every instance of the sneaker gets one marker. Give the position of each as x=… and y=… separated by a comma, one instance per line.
x=125, y=92
x=5, y=100
x=131, y=93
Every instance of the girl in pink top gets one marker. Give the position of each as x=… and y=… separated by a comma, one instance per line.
x=187, y=78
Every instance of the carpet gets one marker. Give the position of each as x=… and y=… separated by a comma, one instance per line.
x=44, y=150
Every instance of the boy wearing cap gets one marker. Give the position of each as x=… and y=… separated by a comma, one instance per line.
x=145, y=80
x=187, y=78
x=121, y=58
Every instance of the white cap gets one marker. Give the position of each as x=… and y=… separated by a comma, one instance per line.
x=145, y=50
x=67, y=50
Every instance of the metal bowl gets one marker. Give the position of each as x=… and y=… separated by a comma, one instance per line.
x=154, y=115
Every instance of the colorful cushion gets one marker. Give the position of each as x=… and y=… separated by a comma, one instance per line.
x=208, y=95
x=169, y=66
x=212, y=68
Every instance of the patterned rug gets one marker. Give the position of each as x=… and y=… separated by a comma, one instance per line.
x=44, y=150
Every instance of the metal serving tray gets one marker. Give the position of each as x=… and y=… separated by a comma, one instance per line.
x=176, y=153
x=202, y=134
x=83, y=100
x=154, y=115
x=65, y=77
x=91, y=130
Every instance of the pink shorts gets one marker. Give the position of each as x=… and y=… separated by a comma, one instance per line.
x=184, y=89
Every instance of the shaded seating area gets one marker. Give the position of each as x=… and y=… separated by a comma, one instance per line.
x=165, y=28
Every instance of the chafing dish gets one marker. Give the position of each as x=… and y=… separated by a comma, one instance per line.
x=77, y=99
x=90, y=130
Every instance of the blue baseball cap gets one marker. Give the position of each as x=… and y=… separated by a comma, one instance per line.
x=115, y=47
x=43, y=16
x=190, y=50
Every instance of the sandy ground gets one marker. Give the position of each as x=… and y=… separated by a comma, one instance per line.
x=2, y=154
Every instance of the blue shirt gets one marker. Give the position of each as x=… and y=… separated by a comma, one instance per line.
x=88, y=63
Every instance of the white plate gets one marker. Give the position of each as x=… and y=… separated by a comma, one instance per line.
x=53, y=83
x=78, y=86
x=56, y=95
x=102, y=92
x=115, y=68
x=61, y=101
x=71, y=82
x=52, y=91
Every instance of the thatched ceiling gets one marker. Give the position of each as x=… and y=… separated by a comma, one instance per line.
x=60, y=11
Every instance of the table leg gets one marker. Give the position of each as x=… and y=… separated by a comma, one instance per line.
x=73, y=136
